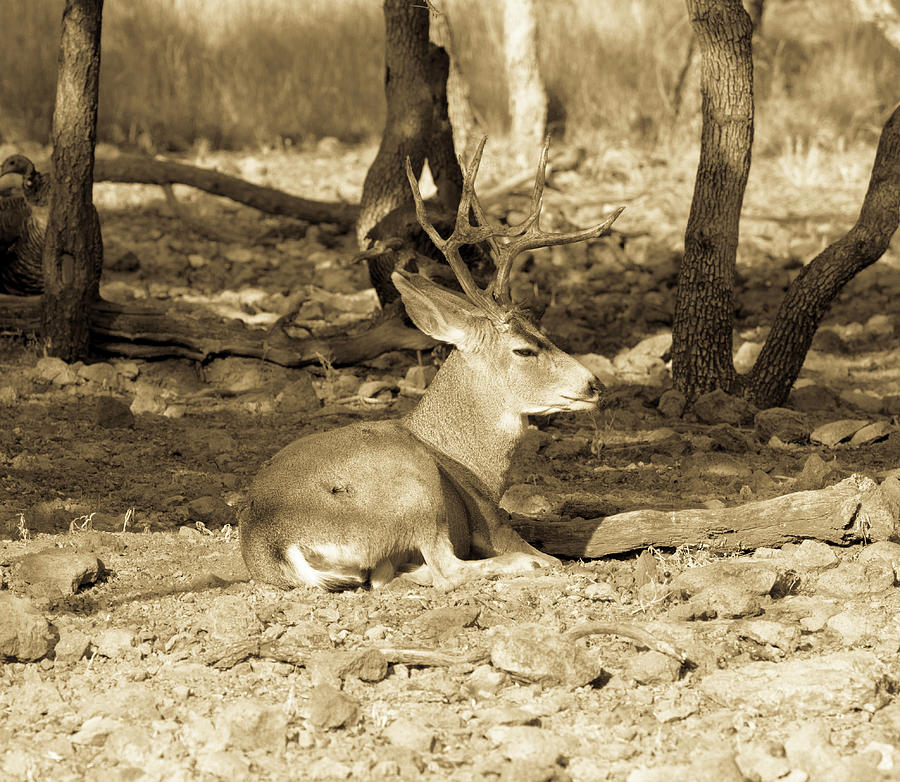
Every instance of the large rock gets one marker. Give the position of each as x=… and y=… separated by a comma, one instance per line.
x=63, y=568
x=835, y=432
x=718, y=407
x=24, y=634
x=835, y=683
x=539, y=654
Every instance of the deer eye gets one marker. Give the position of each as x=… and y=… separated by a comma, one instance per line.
x=525, y=352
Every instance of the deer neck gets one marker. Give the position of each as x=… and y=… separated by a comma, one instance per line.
x=463, y=417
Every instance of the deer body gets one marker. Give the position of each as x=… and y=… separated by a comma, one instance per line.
x=353, y=505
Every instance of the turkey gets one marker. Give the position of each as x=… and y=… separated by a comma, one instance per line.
x=23, y=222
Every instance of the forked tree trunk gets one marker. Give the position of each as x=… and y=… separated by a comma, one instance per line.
x=812, y=291
x=704, y=303
x=417, y=124
x=527, y=97
x=73, y=247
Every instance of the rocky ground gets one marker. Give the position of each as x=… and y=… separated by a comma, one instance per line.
x=135, y=648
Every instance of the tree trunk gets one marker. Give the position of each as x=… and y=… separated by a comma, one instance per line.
x=73, y=246
x=417, y=124
x=527, y=98
x=812, y=291
x=704, y=304
x=467, y=130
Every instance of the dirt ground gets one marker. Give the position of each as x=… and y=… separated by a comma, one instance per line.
x=119, y=482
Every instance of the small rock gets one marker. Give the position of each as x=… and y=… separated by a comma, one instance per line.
x=601, y=591
x=251, y=725
x=230, y=619
x=814, y=555
x=528, y=743
x=95, y=731
x=329, y=708
x=148, y=400
x=777, y=635
x=815, y=474
x=410, y=735
x=112, y=413
x=115, y=642
x=855, y=625
x=728, y=600
x=746, y=356
x=328, y=769
x=672, y=403
x=102, y=374
x=443, y=623
x=652, y=668
x=298, y=396
x=419, y=377
x=508, y=715
x=538, y=654
x=763, y=761
x=880, y=430
x=24, y=634
x=525, y=499
x=63, y=568
x=853, y=579
x=223, y=764
x=333, y=666
x=239, y=255
x=885, y=550
x=834, y=683
x=56, y=371
x=758, y=578
x=718, y=407
x=601, y=366
x=789, y=426
x=837, y=431
x=72, y=645
x=213, y=511
x=485, y=682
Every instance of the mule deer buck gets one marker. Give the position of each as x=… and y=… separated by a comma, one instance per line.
x=353, y=505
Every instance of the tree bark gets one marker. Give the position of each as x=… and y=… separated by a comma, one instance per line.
x=137, y=169
x=810, y=295
x=704, y=303
x=73, y=246
x=852, y=511
x=527, y=98
x=417, y=124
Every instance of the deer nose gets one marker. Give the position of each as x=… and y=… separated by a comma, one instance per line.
x=595, y=387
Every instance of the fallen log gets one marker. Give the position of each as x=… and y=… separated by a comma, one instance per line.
x=163, y=330
x=855, y=510
x=136, y=169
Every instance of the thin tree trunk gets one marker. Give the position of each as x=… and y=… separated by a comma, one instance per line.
x=527, y=97
x=812, y=291
x=417, y=124
x=73, y=246
x=704, y=304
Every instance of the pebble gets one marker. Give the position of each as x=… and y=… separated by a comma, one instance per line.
x=525, y=499
x=94, y=731
x=779, y=635
x=25, y=634
x=442, y=623
x=485, y=682
x=327, y=769
x=333, y=666
x=762, y=760
x=601, y=591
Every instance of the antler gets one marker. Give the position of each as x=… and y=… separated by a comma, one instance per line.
x=527, y=235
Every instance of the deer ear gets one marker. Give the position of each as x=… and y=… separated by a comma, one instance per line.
x=438, y=312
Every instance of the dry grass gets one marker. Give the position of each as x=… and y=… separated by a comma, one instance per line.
x=236, y=73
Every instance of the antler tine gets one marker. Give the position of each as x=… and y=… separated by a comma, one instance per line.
x=463, y=232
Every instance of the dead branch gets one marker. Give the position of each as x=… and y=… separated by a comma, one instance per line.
x=158, y=330
x=854, y=510
x=136, y=169
x=626, y=630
